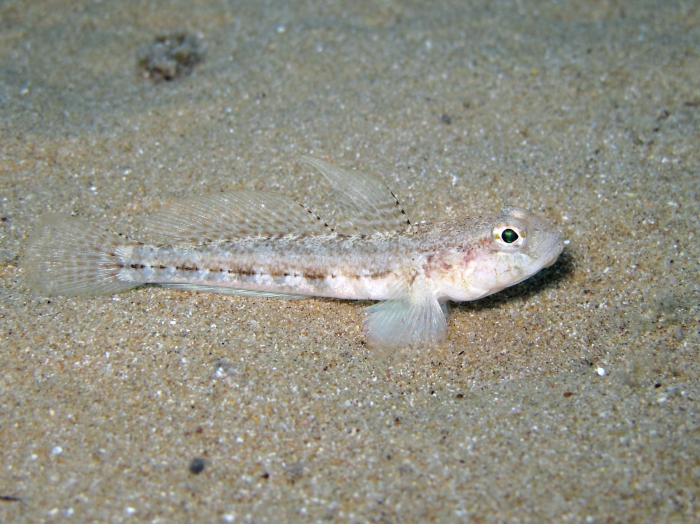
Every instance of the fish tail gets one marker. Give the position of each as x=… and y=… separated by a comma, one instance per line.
x=68, y=257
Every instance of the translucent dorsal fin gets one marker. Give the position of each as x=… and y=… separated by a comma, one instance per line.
x=364, y=204
x=226, y=216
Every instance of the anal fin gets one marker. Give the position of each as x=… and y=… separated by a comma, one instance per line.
x=230, y=291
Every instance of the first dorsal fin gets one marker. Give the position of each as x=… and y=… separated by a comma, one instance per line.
x=226, y=216
x=363, y=204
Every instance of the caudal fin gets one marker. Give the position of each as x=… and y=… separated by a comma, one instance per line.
x=69, y=257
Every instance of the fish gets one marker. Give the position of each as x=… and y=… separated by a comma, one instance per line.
x=266, y=244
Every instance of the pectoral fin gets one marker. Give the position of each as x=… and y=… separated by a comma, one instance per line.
x=405, y=322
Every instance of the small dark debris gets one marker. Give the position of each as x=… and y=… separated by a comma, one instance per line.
x=9, y=498
x=295, y=471
x=446, y=119
x=567, y=394
x=4, y=219
x=459, y=395
x=657, y=385
x=265, y=475
x=197, y=465
x=405, y=469
x=171, y=56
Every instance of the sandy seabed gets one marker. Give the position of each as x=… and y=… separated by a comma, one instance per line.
x=570, y=397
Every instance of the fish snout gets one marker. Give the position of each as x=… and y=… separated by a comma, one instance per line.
x=552, y=246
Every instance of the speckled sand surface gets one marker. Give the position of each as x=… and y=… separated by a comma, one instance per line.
x=588, y=114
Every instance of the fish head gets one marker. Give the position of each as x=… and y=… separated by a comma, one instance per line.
x=508, y=248
x=520, y=246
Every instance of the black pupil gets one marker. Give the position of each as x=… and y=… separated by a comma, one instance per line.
x=509, y=236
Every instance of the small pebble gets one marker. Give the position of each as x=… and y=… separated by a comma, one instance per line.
x=197, y=465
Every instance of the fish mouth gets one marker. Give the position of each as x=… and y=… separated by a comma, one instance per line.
x=551, y=249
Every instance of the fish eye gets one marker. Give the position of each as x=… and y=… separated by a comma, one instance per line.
x=509, y=235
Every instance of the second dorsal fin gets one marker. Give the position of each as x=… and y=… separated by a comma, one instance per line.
x=226, y=216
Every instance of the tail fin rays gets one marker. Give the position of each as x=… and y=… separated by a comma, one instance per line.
x=69, y=257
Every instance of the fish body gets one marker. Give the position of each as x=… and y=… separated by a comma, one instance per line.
x=265, y=244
